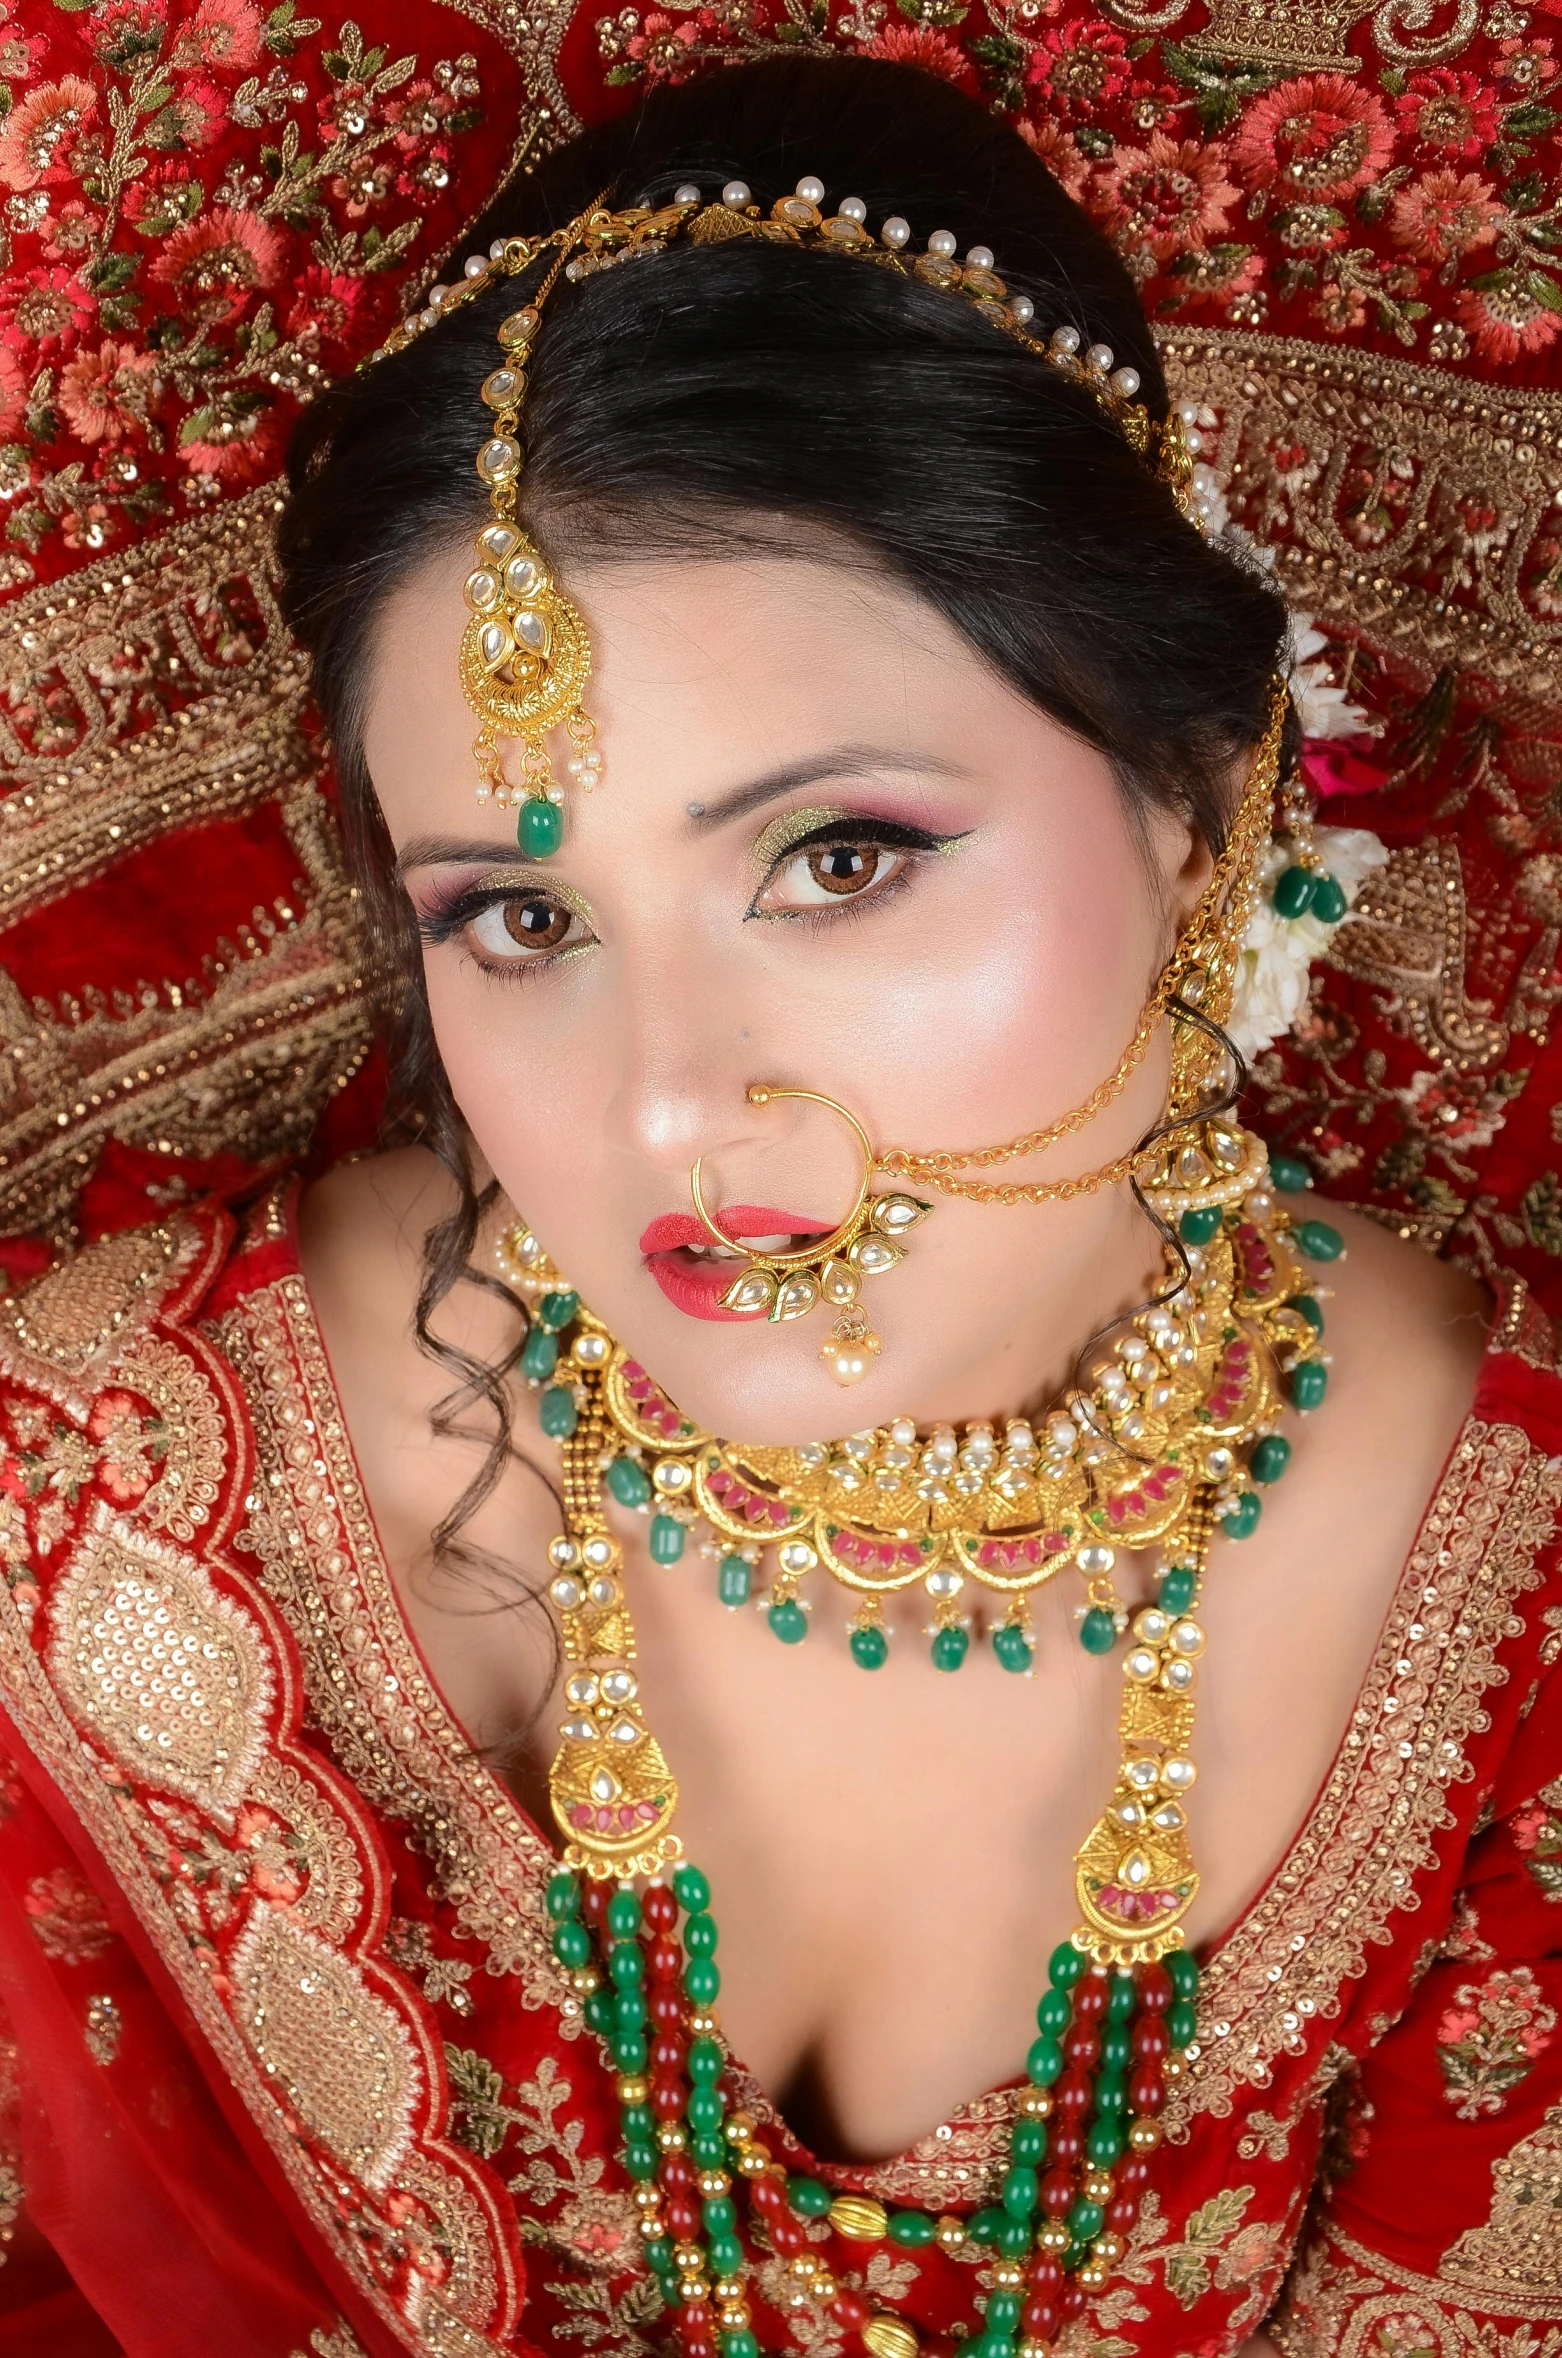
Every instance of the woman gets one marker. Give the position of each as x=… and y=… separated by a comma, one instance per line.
x=873, y=737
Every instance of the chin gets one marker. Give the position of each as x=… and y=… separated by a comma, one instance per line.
x=748, y=1380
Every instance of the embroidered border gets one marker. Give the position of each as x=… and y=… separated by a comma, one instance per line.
x=1302, y=428
x=1370, y=1833
x=324, y=2044
x=1344, y=2301
x=321, y=1562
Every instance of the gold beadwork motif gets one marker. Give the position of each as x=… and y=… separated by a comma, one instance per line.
x=1428, y=593
x=245, y=1065
x=1518, y=2247
x=1339, y=2295
x=170, y=1677
x=319, y=1559
x=1374, y=1827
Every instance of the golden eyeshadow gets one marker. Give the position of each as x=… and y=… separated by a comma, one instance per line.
x=518, y=883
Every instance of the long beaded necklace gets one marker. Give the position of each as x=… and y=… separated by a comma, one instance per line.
x=1170, y=1444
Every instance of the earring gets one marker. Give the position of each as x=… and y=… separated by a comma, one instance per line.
x=831, y=1269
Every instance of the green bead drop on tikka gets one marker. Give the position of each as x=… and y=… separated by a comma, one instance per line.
x=629, y=1481
x=1012, y=1647
x=734, y=1580
x=1179, y=1582
x=558, y=1412
x=1270, y=1456
x=667, y=1539
x=1242, y=1521
x=539, y=1355
x=1306, y=1307
x=788, y=1621
x=950, y=1647
x=1309, y=1380
x=1098, y=1630
x=1329, y=902
x=1318, y=1240
x=1289, y=1174
x=540, y=828
x=1294, y=891
x=869, y=1648
x=1199, y=1223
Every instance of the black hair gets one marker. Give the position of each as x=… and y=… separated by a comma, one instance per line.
x=748, y=395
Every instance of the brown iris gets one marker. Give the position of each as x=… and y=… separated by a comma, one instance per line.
x=842, y=867
x=537, y=924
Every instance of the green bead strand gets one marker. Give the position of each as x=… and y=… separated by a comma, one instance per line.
x=1271, y=1454
x=1308, y=1383
x=1179, y=1584
x=869, y=1648
x=1066, y=1965
x=911, y=2229
x=563, y=1895
x=690, y=1889
x=1242, y=1521
x=555, y=1311
x=809, y=2197
x=539, y=1355
x=950, y=1647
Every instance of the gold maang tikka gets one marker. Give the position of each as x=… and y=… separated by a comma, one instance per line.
x=525, y=657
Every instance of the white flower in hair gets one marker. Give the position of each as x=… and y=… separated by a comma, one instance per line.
x=1323, y=709
x=1278, y=952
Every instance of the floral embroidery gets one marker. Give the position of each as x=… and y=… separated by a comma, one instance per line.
x=1488, y=2039
x=1537, y=1834
x=1219, y=2250
x=1372, y=199
x=68, y=1917
x=408, y=1945
x=143, y=312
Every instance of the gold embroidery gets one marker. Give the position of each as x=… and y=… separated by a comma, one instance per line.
x=469, y=2287
x=409, y=1945
x=1374, y=1825
x=1407, y=938
x=1270, y=2134
x=194, y=1441
x=247, y=1066
x=62, y=1335
x=321, y=1846
x=1519, y=2248
x=1293, y=37
x=319, y=1557
x=170, y=1676
x=104, y=2026
x=1300, y=429
x=340, y=2056
x=1343, y=2301
x=336, y=2341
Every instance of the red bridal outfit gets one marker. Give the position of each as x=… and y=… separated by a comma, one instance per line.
x=289, y=2068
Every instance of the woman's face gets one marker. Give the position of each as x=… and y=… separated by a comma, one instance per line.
x=831, y=850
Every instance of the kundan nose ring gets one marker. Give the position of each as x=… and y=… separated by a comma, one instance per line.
x=828, y=1268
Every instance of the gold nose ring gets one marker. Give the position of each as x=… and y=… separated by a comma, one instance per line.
x=830, y=1268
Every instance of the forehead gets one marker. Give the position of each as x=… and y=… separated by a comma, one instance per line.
x=703, y=666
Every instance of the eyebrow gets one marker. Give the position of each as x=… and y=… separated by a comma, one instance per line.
x=838, y=761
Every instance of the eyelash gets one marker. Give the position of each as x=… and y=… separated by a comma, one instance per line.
x=450, y=921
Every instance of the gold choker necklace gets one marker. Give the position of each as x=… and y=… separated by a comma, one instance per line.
x=1171, y=1441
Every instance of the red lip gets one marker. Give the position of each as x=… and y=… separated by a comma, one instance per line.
x=736, y=1221
x=696, y=1287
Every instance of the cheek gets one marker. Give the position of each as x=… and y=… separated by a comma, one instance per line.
x=524, y=1082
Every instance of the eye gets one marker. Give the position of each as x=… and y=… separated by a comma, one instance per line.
x=524, y=929
x=843, y=870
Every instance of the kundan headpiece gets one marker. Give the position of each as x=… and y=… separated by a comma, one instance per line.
x=525, y=657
